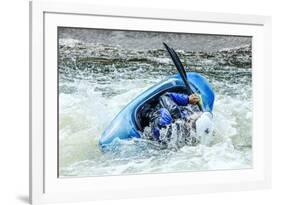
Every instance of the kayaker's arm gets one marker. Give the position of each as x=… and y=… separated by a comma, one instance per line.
x=179, y=99
x=183, y=99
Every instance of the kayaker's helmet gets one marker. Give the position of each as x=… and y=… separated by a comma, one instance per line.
x=204, y=128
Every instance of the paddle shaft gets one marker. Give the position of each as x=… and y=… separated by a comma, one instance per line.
x=181, y=70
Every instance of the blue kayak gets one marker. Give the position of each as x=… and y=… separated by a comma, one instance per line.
x=128, y=123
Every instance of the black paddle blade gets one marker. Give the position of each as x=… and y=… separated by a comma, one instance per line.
x=179, y=67
x=178, y=59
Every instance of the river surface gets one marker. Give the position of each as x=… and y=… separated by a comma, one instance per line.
x=101, y=71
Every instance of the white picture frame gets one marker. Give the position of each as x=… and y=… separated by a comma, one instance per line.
x=46, y=187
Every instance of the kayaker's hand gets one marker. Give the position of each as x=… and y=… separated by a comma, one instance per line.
x=193, y=99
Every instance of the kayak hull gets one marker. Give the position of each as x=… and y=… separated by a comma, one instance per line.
x=125, y=125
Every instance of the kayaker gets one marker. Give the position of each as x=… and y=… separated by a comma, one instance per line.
x=173, y=106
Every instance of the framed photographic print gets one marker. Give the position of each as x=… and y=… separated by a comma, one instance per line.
x=146, y=102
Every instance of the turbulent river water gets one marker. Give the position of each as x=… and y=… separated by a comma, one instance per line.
x=101, y=71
